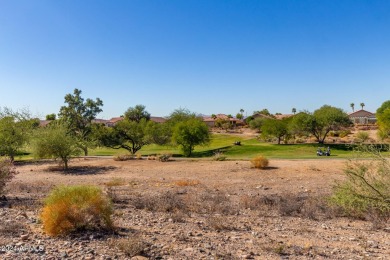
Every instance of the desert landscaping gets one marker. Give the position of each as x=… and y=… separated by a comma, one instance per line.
x=193, y=209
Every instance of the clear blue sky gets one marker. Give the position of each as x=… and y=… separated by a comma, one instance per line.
x=205, y=55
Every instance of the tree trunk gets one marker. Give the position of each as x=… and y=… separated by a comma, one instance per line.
x=85, y=149
x=279, y=140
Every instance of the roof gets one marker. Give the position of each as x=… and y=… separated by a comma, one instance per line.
x=361, y=113
x=43, y=123
x=158, y=119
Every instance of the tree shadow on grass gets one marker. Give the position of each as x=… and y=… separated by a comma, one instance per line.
x=81, y=170
x=210, y=153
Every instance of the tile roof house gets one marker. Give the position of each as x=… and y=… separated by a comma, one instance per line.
x=113, y=121
x=210, y=121
x=362, y=117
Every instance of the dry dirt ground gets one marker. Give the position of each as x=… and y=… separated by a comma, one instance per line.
x=193, y=209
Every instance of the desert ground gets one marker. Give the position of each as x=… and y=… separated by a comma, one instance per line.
x=193, y=209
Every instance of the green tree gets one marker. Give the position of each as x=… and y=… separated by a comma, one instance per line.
x=55, y=142
x=190, y=133
x=15, y=130
x=78, y=115
x=383, y=117
x=263, y=112
x=362, y=105
x=275, y=128
x=51, y=117
x=321, y=122
x=180, y=115
x=256, y=123
x=239, y=116
x=137, y=113
x=126, y=134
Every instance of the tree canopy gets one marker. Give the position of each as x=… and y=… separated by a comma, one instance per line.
x=275, y=128
x=190, y=133
x=321, y=122
x=15, y=130
x=78, y=115
x=383, y=117
x=137, y=113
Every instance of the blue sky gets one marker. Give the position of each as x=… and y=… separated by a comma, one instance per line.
x=207, y=56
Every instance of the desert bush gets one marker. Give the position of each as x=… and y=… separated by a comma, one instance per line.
x=73, y=208
x=366, y=189
x=344, y=133
x=219, y=223
x=123, y=157
x=211, y=202
x=362, y=136
x=138, y=156
x=219, y=156
x=115, y=182
x=7, y=172
x=131, y=246
x=166, y=202
x=164, y=157
x=260, y=162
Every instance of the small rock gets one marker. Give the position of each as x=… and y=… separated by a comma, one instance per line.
x=24, y=237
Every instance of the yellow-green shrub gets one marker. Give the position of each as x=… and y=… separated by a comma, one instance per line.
x=260, y=162
x=72, y=208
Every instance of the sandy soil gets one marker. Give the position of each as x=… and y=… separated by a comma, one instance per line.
x=245, y=230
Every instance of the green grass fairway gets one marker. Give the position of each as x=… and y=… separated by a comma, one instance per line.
x=249, y=148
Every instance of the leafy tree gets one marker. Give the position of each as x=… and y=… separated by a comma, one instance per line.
x=362, y=105
x=352, y=105
x=126, y=134
x=213, y=116
x=256, y=123
x=239, y=116
x=78, y=115
x=275, y=128
x=242, y=112
x=55, y=141
x=321, y=122
x=190, y=133
x=383, y=117
x=137, y=113
x=51, y=117
x=263, y=112
x=15, y=130
x=180, y=115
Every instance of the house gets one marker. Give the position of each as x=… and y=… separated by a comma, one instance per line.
x=113, y=121
x=211, y=121
x=362, y=117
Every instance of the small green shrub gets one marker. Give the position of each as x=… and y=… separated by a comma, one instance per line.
x=164, y=157
x=362, y=137
x=7, y=172
x=344, y=133
x=73, y=208
x=260, y=162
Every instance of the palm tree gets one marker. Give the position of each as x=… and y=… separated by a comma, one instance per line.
x=353, y=107
x=294, y=110
x=242, y=112
x=362, y=105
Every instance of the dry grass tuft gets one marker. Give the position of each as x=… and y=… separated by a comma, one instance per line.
x=260, y=162
x=184, y=183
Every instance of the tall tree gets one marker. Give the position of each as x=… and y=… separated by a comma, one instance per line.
x=78, y=115
x=321, y=122
x=137, y=113
x=362, y=105
x=352, y=106
x=51, y=117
